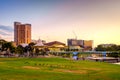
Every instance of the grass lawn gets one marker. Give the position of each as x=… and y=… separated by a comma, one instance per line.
x=56, y=69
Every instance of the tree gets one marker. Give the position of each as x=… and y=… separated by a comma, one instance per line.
x=37, y=51
x=31, y=48
x=100, y=48
x=8, y=46
x=31, y=44
x=12, y=50
x=2, y=41
x=20, y=50
x=118, y=48
x=114, y=48
x=1, y=44
x=109, y=48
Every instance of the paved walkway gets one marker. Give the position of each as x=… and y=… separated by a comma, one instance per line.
x=117, y=63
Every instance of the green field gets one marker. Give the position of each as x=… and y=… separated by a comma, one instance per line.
x=56, y=69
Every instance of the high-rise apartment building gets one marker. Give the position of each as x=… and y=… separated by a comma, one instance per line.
x=22, y=33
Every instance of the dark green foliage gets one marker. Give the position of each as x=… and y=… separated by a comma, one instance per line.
x=111, y=48
x=100, y=48
x=114, y=54
x=8, y=46
x=20, y=49
x=31, y=49
x=37, y=51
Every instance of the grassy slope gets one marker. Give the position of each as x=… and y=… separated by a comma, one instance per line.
x=56, y=69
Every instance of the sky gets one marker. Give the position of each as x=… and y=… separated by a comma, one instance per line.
x=58, y=20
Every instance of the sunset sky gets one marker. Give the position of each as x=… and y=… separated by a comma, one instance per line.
x=51, y=20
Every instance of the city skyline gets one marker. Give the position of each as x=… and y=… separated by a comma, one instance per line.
x=52, y=20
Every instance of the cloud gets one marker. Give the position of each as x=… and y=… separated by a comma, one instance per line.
x=4, y=33
x=6, y=28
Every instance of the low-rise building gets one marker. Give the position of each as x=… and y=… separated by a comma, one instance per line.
x=85, y=45
x=55, y=46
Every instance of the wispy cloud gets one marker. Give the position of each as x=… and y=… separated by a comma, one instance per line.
x=4, y=33
x=6, y=28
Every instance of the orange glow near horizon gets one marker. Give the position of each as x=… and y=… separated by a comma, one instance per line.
x=97, y=20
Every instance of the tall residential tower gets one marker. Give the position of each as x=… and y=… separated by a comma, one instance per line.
x=22, y=33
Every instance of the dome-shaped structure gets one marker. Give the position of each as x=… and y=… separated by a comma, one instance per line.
x=39, y=43
x=24, y=44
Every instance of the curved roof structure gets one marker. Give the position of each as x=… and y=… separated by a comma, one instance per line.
x=54, y=42
x=39, y=43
